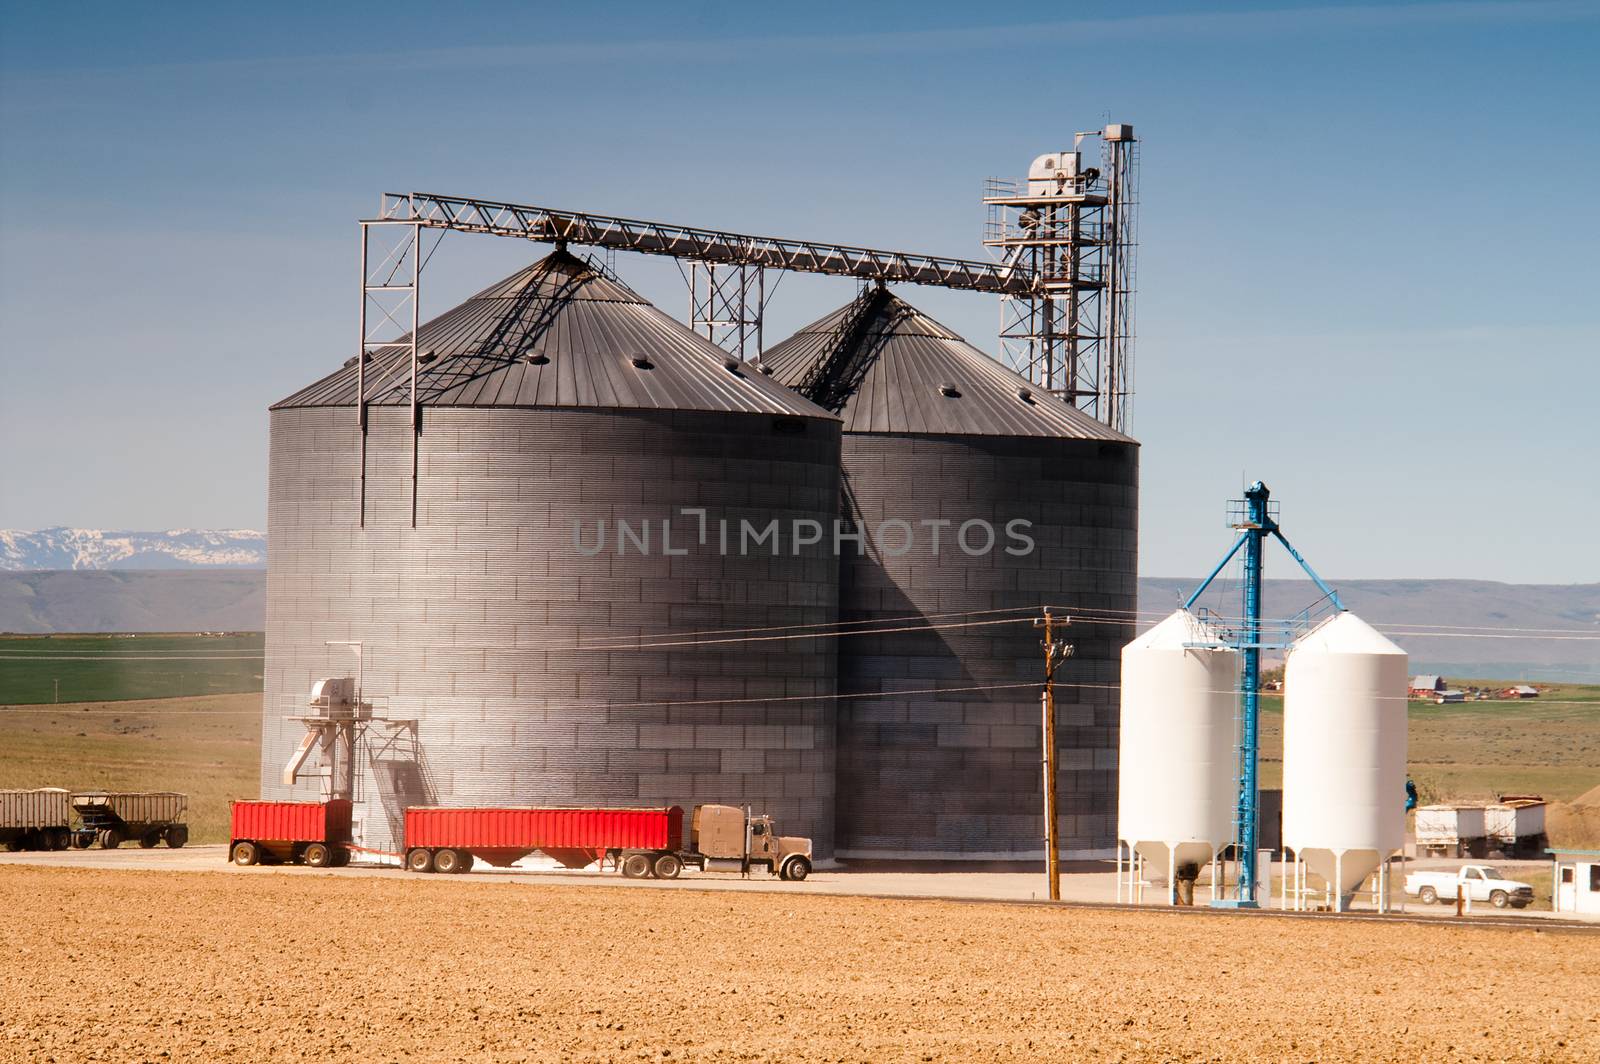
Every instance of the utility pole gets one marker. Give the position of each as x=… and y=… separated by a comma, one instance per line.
x=1055, y=652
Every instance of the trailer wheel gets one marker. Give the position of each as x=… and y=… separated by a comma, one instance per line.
x=60, y=839
x=1427, y=895
x=177, y=835
x=341, y=857
x=245, y=854
x=447, y=862
x=1499, y=899
x=148, y=840
x=419, y=860
x=636, y=866
x=795, y=868
x=81, y=840
x=668, y=865
x=317, y=855
x=13, y=845
x=467, y=861
x=110, y=839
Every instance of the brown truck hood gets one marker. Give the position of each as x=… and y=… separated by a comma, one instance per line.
x=788, y=844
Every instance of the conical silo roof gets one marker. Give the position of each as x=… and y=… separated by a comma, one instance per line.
x=1181, y=630
x=560, y=334
x=886, y=367
x=1345, y=633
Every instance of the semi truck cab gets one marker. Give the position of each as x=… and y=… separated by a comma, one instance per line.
x=779, y=851
x=722, y=835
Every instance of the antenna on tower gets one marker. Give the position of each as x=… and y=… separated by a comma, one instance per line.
x=1070, y=229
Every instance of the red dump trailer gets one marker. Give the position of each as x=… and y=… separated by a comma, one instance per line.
x=449, y=840
x=313, y=833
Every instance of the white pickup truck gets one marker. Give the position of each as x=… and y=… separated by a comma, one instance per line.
x=1480, y=883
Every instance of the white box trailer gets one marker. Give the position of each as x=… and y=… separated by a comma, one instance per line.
x=35, y=819
x=1451, y=830
x=1516, y=826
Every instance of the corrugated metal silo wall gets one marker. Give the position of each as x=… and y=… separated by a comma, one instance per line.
x=957, y=775
x=482, y=623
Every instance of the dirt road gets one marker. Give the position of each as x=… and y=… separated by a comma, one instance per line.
x=164, y=966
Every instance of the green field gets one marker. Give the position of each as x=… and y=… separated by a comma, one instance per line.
x=104, y=668
x=1548, y=745
x=207, y=747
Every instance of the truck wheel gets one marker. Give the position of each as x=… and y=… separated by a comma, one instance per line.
x=636, y=866
x=81, y=840
x=148, y=840
x=420, y=860
x=1499, y=899
x=13, y=845
x=795, y=868
x=467, y=861
x=317, y=855
x=341, y=857
x=668, y=866
x=447, y=862
x=1428, y=895
x=177, y=835
x=245, y=854
x=60, y=839
x=110, y=839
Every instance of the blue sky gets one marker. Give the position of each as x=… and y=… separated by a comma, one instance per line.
x=1367, y=270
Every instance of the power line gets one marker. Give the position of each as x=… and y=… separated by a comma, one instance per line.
x=1031, y=609
x=816, y=698
x=815, y=635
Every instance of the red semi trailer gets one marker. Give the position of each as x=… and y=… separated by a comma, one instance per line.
x=640, y=842
x=313, y=833
x=449, y=840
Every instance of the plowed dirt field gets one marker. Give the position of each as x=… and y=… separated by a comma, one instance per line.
x=292, y=966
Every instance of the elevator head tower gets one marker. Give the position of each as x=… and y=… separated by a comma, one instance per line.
x=1069, y=228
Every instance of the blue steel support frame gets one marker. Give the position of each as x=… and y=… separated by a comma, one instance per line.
x=1189, y=602
x=1257, y=526
x=1333, y=596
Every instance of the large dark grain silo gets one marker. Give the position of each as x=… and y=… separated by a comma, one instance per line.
x=939, y=437
x=565, y=424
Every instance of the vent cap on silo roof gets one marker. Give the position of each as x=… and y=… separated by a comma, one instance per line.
x=887, y=367
x=559, y=334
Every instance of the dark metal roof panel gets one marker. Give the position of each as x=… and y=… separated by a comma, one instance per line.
x=910, y=360
x=558, y=334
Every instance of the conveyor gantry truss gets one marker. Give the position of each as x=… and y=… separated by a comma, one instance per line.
x=726, y=275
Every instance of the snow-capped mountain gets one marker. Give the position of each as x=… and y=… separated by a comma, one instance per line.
x=92, y=548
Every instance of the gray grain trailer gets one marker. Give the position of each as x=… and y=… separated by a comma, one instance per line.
x=34, y=820
x=111, y=818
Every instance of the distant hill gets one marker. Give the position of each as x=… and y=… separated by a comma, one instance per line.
x=1494, y=623
x=191, y=600
x=92, y=548
x=235, y=600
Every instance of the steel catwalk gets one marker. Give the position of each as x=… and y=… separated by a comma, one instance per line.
x=935, y=431
x=554, y=404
